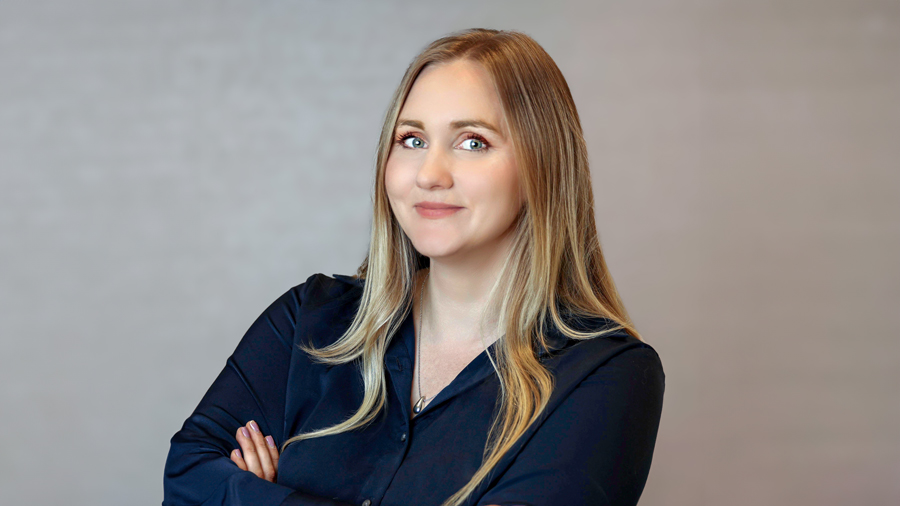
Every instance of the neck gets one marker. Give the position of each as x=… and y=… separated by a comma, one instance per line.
x=457, y=293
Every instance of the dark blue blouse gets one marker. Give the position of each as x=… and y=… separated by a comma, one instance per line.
x=592, y=445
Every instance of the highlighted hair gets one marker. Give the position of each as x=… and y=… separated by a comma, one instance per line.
x=555, y=263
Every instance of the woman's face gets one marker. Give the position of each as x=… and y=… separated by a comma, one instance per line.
x=451, y=176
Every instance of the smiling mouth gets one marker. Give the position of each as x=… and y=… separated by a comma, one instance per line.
x=433, y=210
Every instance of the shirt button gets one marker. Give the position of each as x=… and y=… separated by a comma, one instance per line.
x=403, y=437
x=366, y=503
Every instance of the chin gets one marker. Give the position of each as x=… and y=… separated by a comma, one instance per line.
x=436, y=252
x=435, y=247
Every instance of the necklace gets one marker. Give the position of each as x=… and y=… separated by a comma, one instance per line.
x=420, y=404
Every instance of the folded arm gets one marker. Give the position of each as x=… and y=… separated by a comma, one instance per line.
x=199, y=469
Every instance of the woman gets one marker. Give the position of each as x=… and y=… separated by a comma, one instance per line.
x=480, y=356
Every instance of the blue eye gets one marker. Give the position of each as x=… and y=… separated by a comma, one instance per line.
x=417, y=142
x=474, y=142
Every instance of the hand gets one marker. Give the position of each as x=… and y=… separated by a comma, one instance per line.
x=258, y=454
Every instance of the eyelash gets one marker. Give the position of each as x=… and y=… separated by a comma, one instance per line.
x=403, y=136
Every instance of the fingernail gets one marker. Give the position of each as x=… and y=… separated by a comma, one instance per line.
x=271, y=441
x=245, y=432
x=238, y=453
x=254, y=426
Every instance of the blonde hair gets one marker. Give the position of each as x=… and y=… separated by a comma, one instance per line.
x=554, y=266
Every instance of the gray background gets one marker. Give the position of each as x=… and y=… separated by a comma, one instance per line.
x=168, y=168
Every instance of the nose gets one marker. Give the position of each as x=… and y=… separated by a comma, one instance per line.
x=435, y=171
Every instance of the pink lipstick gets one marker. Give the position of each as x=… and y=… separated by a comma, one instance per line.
x=435, y=210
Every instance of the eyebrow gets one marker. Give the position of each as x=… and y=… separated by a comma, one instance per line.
x=455, y=125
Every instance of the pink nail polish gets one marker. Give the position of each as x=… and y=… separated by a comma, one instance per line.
x=271, y=441
x=245, y=432
x=238, y=453
x=254, y=426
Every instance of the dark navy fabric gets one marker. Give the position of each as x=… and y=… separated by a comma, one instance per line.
x=592, y=445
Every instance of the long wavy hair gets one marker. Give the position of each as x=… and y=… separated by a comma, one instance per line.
x=555, y=268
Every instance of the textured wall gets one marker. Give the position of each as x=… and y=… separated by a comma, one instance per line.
x=167, y=169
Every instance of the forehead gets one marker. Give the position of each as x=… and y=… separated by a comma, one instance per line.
x=451, y=91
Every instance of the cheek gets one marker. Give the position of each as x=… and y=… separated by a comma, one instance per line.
x=500, y=196
x=507, y=187
x=393, y=180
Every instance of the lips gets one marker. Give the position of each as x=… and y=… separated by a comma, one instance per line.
x=436, y=205
x=435, y=210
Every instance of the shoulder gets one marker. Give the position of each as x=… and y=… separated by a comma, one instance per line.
x=322, y=307
x=612, y=340
x=321, y=290
x=318, y=290
x=319, y=293
x=613, y=359
x=618, y=346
